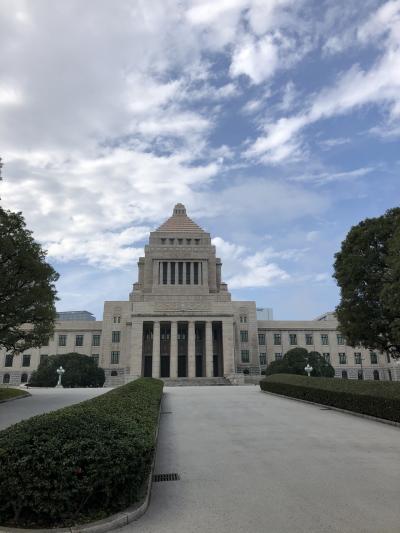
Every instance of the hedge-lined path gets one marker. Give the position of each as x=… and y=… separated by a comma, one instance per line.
x=43, y=400
x=250, y=462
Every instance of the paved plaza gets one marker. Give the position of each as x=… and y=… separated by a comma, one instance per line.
x=254, y=463
x=43, y=400
x=251, y=462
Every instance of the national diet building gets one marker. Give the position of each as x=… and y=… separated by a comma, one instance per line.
x=181, y=324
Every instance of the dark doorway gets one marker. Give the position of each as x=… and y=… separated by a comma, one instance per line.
x=182, y=349
x=164, y=366
x=215, y=366
x=199, y=366
x=148, y=363
x=182, y=366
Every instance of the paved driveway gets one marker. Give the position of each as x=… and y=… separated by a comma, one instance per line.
x=250, y=462
x=42, y=401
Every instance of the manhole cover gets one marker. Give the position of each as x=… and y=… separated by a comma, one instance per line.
x=166, y=477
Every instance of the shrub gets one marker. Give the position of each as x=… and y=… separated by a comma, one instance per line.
x=295, y=360
x=82, y=462
x=375, y=398
x=80, y=371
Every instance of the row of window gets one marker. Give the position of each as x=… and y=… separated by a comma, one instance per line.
x=172, y=241
x=9, y=360
x=79, y=339
x=360, y=375
x=342, y=358
x=26, y=359
x=6, y=378
x=293, y=339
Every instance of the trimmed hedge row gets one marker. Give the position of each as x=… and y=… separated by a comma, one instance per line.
x=80, y=463
x=374, y=398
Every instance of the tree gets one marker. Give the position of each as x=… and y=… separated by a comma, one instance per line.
x=27, y=290
x=367, y=270
x=80, y=371
x=295, y=360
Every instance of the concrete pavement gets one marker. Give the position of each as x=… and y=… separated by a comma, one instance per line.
x=250, y=462
x=43, y=400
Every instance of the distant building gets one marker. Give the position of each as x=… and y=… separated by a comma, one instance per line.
x=74, y=315
x=180, y=322
x=264, y=313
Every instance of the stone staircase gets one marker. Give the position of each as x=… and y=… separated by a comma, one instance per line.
x=190, y=382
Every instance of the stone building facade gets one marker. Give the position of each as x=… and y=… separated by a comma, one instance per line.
x=180, y=322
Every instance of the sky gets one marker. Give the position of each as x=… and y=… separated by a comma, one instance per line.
x=276, y=123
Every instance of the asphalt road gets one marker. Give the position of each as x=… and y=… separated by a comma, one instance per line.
x=250, y=462
x=43, y=400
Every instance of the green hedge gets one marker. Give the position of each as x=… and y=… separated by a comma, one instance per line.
x=375, y=398
x=80, y=463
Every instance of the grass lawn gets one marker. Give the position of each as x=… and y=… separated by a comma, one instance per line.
x=7, y=393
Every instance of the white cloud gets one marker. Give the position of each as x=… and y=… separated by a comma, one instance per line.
x=328, y=177
x=356, y=87
x=255, y=268
x=258, y=59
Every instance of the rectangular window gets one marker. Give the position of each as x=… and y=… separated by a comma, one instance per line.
x=340, y=339
x=181, y=333
x=309, y=339
x=78, y=340
x=115, y=336
x=26, y=360
x=292, y=339
x=114, y=358
x=180, y=273
x=172, y=273
x=197, y=241
x=43, y=357
x=196, y=273
x=62, y=340
x=374, y=358
x=342, y=358
x=244, y=336
x=117, y=319
x=357, y=358
x=165, y=273
x=324, y=339
x=245, y=356
x=327, y=357
x=277, y=339
x=95, y=357
x=164, y=333
x=187, y=273
x=96, y=340
x=180, y=241
x=188, y=241
x=261, y=339
x=171, y=241
x=263, y=358
x=278, y=356
x=9, y=359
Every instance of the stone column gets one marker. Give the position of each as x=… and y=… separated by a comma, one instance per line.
x=184, y=272
x=205, y=273
x=173, y=361
x=191, y=350
x=169, y=273
x=136, y=347
x=228, y=347
x=192, y=272
x=155, y=372
x=209, y=350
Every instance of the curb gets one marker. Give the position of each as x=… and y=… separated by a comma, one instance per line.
x=345, y=411
x=114, y=521
x=16, y=398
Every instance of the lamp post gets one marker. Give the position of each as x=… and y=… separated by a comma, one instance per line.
x=308, y=369
x=60, y=372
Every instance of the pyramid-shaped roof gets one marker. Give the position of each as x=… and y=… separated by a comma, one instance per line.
x=180, y=222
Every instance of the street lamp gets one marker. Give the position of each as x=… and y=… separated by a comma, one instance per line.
x=60, y=372
x=308, y=369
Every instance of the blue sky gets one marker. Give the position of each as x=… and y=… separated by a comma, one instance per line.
x=276, y=123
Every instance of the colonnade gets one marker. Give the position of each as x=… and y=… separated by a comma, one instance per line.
x=178, y=356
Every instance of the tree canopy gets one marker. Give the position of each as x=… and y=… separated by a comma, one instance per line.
x=296, y=359
x=27, y=290
x=80, y=371
x=367, y=270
